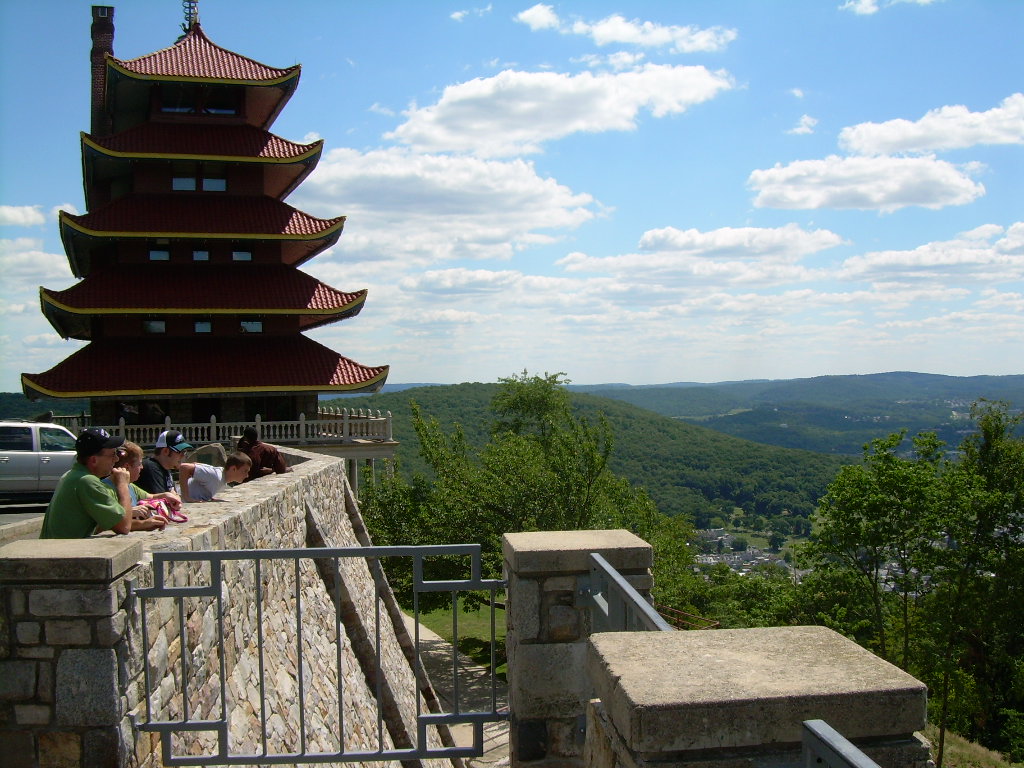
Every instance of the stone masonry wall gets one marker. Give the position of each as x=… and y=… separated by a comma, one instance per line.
x=71, y=654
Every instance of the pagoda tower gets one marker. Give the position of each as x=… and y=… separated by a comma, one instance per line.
x=190, y=293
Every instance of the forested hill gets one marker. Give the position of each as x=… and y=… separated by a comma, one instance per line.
x=686, y=468
x=827, y=414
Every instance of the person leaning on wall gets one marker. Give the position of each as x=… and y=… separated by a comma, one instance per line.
x=266, y=459
x=201, y=482
x=130, y=458
x=156, y=474
x=83, y=504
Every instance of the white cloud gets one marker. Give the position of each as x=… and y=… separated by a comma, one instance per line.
x=796, y=93
x=804, y=125
x=860, y=7
x=948, y=127
x=648, y=34
x=618, y=61
x=727, y=297
x=21, y=216
x=515, y=112
x=539, y=16
x=461, y=15
x=869, y=7
x=46, y=340
x=719, y=257
x=617, y=29
x=461, y=281
x=987, y=255
x=872, y=183
x=380, y=109
x=423, y=209
x=789, y=241
x=66, y=207
x=25, y=265
x=9, y=308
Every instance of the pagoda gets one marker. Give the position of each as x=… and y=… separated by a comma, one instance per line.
x=190, y=294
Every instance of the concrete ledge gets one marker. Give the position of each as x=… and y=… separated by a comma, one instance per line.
x=99, y=559
x=20, y=529
x=728, y=689
x=539, y=552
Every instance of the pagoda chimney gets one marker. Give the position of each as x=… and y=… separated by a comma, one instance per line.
x=102, y=44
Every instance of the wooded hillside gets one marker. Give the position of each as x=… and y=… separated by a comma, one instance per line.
x=687, y=469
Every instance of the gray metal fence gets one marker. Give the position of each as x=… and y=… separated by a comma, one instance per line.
x=615, y=605
x=824, y=747
x=236, y=670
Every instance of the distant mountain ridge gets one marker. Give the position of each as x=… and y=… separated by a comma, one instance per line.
x=828, y=414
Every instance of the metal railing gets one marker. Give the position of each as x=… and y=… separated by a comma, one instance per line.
x=216, y=605
x=615, y=606
x=333, y=426
x=822, y=746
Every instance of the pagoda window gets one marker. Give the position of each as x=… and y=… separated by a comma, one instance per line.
x=203, y=326
x=251, y=326
x=200, y=255
x=241, y=255
x=191, y=99
x=191, y=176
x=159, y=255
x=154, y=326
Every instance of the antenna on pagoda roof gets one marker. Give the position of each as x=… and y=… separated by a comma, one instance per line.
x=191, y=9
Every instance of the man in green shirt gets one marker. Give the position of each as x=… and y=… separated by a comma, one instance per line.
x=82, y=503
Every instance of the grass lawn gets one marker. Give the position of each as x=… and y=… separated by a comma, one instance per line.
x=960, y=753
x=474, y=634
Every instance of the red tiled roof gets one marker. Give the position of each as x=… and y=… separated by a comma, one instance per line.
x=195, y=55
x=105, y=368
x=234, y=287
x=241, y=288
x=192, y=214
x=202, y=140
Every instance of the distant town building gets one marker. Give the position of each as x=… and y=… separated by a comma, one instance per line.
x=190, y=295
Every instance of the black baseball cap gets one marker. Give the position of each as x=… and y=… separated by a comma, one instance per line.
x=93, y=440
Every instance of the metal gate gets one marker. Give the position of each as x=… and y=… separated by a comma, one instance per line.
x=297, y=656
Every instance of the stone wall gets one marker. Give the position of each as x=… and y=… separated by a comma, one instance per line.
x=680, y=699
x=548, y=624
x=72, y=686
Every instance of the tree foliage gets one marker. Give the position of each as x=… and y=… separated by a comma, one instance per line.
x=937, y=548
x=544, y=468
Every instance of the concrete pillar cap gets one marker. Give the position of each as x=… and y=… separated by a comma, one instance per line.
x=97, y=559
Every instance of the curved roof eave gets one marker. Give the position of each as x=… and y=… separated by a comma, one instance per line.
x=311, y=152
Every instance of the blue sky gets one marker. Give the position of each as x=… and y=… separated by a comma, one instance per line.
x=639, y=192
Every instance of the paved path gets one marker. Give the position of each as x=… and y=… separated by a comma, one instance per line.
x=474, y=693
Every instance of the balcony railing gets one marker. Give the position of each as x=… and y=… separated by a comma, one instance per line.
x=333, y=426
x=615, y=605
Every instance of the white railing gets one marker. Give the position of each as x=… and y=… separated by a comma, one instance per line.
x=332, y=426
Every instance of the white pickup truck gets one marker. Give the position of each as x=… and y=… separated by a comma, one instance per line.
x=33, y=456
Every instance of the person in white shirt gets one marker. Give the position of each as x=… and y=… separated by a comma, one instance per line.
x=201, y=482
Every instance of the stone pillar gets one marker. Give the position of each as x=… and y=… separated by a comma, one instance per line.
x=738, y=697
x=547, y=630
x=65, y=664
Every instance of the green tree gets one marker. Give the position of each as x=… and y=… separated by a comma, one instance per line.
x=544, y=468
x=931, y=550
x=980, y=650
x=878, y=520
